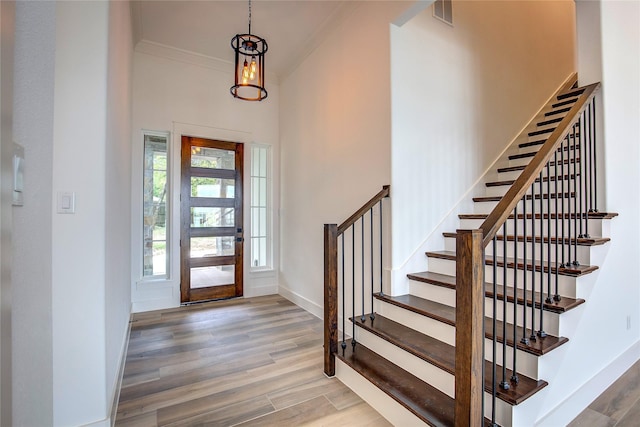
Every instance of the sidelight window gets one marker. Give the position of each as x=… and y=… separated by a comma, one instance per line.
x=261, y=246
x=155, y=212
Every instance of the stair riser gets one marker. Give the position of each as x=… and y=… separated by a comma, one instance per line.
x=527, y=363
x=596, y=227
x=427, y=372
x=384, y=404
x=566, y=284
x=584, y=252
x=423, y=324
x=432, y=292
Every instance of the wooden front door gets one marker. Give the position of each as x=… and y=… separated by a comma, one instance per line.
x=211, y=237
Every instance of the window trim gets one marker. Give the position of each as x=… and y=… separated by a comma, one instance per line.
x=168, y=209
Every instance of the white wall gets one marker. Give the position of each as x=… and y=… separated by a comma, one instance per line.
x=7, y=19
x=118, y=190
x=183, y=93
x=66, y=355
x=335, y=131
x=461, y=94
x=603, y=346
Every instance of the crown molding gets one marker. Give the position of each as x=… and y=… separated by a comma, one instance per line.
x=188, y=57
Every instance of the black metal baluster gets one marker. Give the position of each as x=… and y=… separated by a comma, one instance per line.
x=574, y=237
x=514, y=374
x=494, y=334
x=344, y=311
x=568, y=263
x=548, y=299
x=541, y=332
x=362, y=316
x=564, y=264
x=524, y=340
x=504, y=384
x=353, y=285
x=579, y=195
x=532, y=337
x=556, y=213
x=381, y=248
x=372, y=315
x=595, y=160
x=586, y=174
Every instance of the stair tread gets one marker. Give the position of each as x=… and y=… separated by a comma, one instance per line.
x=573, y=270
x=443, y=356
x=446, y=281
x=592, y=215
x=446, y=314
x=483, y=199
x=510, y=182
x=521, y=167
x=533, y=153
x=549, y=121
x=541, y=132
x=571, y=93
x=566, y=102
x=425, y=401
x=532, y=143
x=558, y=111
x=581, y=241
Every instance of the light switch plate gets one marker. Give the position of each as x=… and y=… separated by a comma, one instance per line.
x=66, y=202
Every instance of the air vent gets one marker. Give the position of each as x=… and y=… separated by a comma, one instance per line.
x=443, y=10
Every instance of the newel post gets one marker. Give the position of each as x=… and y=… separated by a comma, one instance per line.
x=330, y=298
x=469, y=328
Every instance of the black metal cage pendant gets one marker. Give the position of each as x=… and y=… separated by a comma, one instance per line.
x=249, y=67
x=249, y=52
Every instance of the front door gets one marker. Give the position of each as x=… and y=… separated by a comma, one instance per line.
x=211, y=239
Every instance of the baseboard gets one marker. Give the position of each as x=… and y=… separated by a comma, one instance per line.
x=116, y=391
x=260, y=291
x=590, y=390
x=301, y=301
x=154, y=304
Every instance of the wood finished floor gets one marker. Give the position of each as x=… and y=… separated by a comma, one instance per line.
x=243, y=362
x=618, y=406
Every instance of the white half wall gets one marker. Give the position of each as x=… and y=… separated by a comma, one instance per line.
x=183, y=93
x=461, y=94
x=335, y=130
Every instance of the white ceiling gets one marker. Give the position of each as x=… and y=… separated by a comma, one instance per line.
x=291, y=27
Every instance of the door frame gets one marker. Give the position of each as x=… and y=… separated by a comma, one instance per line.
x=188, y=295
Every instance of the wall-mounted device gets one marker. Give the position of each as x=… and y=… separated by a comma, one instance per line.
x=18, y=174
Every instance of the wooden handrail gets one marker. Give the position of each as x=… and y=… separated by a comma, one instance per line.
x=371, y=203
x=501, y=212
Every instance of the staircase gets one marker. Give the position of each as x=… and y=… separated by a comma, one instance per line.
x=399, y=352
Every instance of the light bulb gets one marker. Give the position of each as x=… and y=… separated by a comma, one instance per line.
x=245, y=72
x=252, y=74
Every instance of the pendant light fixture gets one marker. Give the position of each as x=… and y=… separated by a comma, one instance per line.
x=249, y=65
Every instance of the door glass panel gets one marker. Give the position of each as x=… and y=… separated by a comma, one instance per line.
x=212, y=276
x=213, y=187
x=212, y=217
x=212, y=246
x=213, y=158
